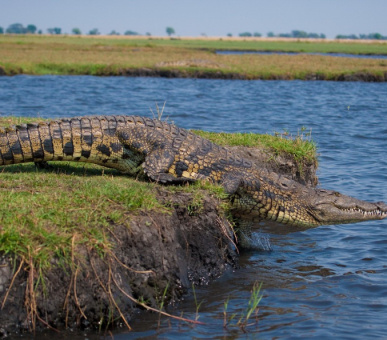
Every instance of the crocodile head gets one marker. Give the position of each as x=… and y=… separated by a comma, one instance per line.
x=290, y=203
x=331, y=207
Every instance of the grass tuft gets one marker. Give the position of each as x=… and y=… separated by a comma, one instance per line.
x=243, y=319
x=301, y=147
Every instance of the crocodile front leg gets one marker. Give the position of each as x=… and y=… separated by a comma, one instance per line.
x=159, y=153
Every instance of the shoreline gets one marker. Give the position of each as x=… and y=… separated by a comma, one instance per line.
x=201, y=74
x=107, y=71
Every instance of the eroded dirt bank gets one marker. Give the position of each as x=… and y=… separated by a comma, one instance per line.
x=165, y=251
x=216, y=74
x=154, y=261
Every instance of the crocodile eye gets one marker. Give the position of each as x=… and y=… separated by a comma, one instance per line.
x=284, y=185
x=337, y=194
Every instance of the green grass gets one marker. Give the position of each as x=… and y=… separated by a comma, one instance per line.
x=286, y=45
x=42, y=211
x=301, y=147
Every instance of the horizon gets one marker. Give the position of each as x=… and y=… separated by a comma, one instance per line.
x=213, y=18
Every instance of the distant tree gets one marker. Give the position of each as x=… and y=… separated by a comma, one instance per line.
x=129, y=32
x=170, y=30
x=148, y=34
x=31, y=29
x=257, y=34
x=76, y=31
x=40, y=32
x=245, y=34
x=16, y=29
x=114, y=33
x=94, y=31
x=55, y=30
x=1, y=30
x=343, y=36
x=229, y=34
x=313, y=35
x=299, y=34
x=285, y=35
x=376, y=36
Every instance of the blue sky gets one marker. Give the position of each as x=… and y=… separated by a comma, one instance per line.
x=194, y=18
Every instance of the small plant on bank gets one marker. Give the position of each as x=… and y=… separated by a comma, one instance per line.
x=197, y=305
x=244, y=318
x=158, y=111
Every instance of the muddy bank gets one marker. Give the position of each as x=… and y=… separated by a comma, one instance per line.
x=154, y=261
x=218, y=74
x=211, y=74
x=159, y=252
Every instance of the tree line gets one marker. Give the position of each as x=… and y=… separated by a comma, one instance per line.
x=304, y=35
x=293, y=34
x=32, y=29
x=371, y=36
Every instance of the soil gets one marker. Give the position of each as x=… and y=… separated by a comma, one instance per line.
x=154, y=261
x=162, y=251
x=219, y=74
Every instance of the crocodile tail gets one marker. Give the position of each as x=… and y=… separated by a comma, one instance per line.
x=75, y=139
x=18, y=144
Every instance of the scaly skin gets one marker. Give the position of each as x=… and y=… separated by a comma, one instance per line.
x=171, y=155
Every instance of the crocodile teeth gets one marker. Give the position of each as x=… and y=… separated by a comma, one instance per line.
x=367, y=213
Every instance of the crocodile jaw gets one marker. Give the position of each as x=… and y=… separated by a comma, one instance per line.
x=331, y=207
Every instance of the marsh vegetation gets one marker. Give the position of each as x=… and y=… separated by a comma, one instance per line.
x=94, y=55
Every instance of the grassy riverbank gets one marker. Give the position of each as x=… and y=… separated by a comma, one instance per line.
x=43, y=212
x=187, y=58
x=69, y=232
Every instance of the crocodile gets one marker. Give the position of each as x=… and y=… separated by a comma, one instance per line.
x=167, y=154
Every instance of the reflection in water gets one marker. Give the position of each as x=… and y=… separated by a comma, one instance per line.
x=329, y=281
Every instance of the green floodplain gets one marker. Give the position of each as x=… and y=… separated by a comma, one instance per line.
x=188, y=57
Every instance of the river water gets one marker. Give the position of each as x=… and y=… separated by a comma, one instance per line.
x=330, y=54
x=325, y=282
